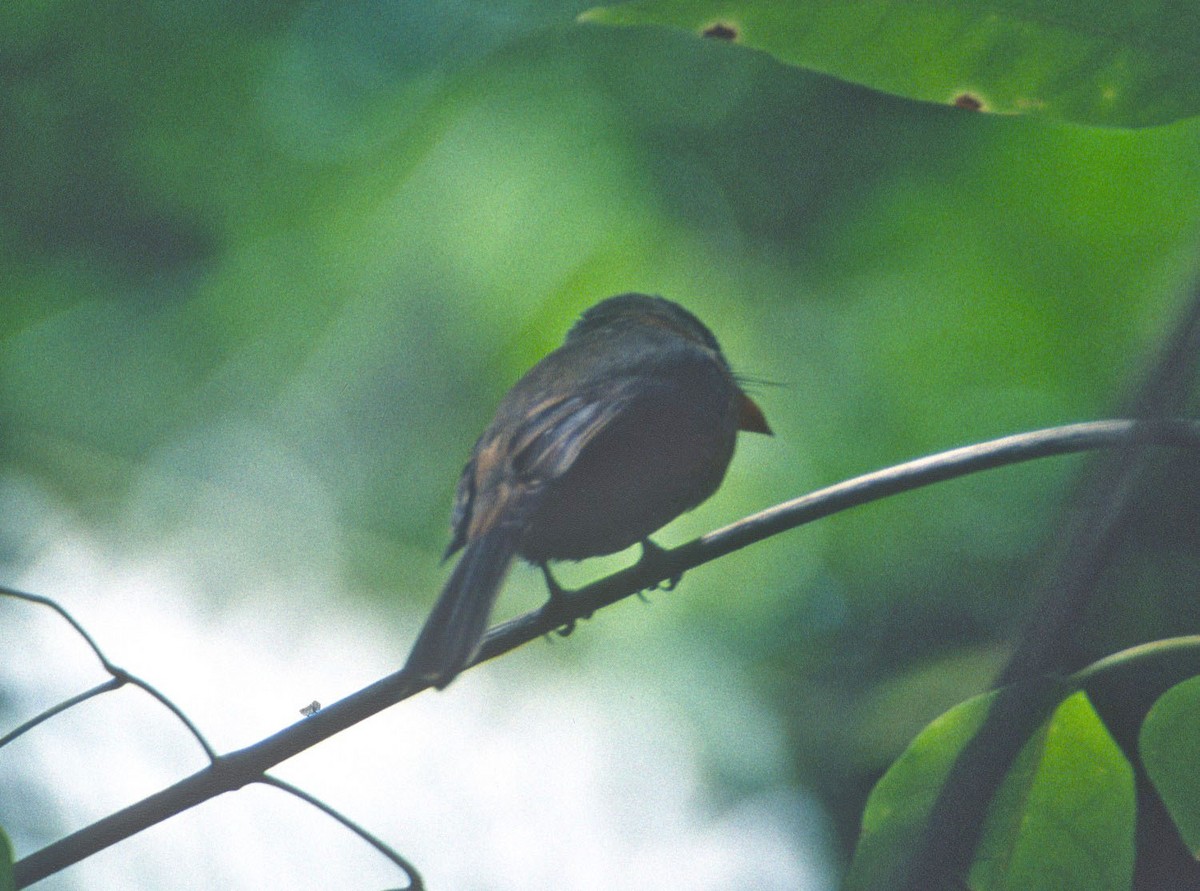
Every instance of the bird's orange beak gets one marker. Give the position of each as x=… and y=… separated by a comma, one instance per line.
x=751, y=417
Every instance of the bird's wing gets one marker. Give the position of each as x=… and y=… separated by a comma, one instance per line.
x=558, y=429
x=506, y=473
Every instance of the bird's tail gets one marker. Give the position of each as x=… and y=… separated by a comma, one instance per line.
x=455, y=629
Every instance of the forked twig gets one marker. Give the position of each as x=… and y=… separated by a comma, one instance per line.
x=119, y=677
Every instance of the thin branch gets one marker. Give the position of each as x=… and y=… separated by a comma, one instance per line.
x=119, y=675
x=66, y=616
x=414, y=877
x=232, y=771
x=1170, y=660
x=175, y=710
x=112, y=683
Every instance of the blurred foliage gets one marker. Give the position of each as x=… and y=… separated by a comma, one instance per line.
x=266, y=267
x=1125, y=64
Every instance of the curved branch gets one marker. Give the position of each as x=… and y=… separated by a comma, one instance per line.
x=414, y=877
x=232, y=771
x=1174, y=658
x=66, y=616
x=113, y=683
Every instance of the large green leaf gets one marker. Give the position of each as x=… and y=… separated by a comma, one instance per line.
x=1170, y=748
x=1062, y=819
x=1064, y=816
x=1126, y=64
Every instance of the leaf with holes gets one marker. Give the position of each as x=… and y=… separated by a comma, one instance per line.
x=1122, y=64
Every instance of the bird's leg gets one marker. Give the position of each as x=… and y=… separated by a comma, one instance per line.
x=556, y=591
x=557, y=602
x=654, y=557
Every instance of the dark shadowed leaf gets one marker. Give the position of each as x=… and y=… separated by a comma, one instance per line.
x=1170, y=747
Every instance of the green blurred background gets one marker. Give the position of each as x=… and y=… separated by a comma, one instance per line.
x=266, y=267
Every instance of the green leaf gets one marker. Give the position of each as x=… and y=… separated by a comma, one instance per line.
x=1170, y=748
x=7, y=881
x=1064, y=816
x=1062, y=819
x=1125, y=64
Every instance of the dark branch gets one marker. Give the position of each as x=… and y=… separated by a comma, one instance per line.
x=113, y=683
x=232, y=771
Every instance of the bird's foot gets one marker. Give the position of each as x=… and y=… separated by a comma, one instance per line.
x=654, y=557
x=558, y=602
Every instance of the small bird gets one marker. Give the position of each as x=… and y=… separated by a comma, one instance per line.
x=628, y=424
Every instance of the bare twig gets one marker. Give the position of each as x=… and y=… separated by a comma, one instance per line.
x=414, y=877
x=113, y=683
x=120, y=677
x=232, y=771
